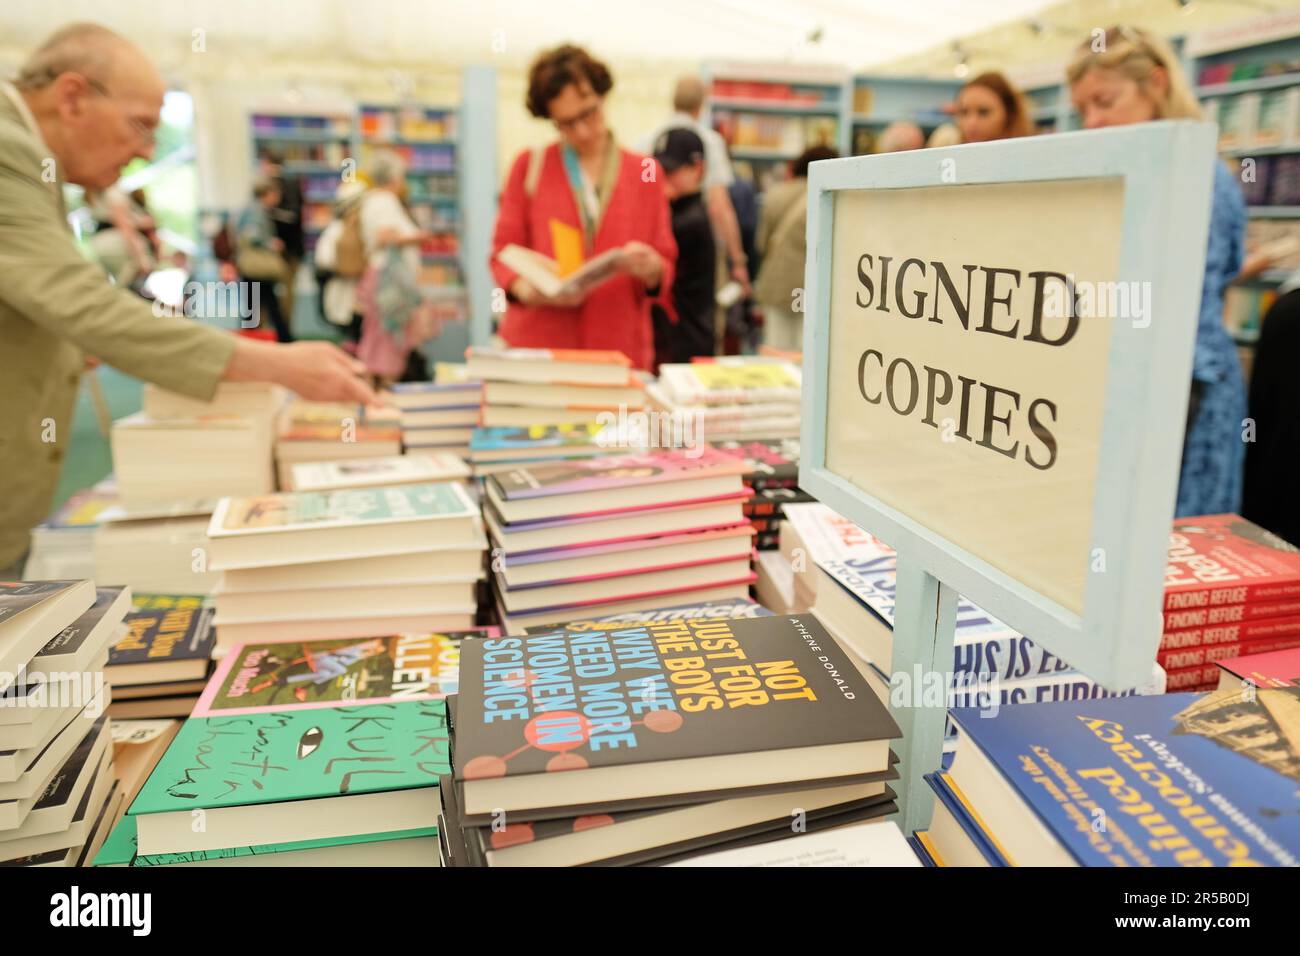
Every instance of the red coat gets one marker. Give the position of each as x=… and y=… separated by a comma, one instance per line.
x=615, y=314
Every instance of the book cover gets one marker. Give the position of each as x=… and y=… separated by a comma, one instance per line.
x=1188, y=618
x=386, y=470
x=1181, y=779
x=735, y=609
x=826, y=533
x=1258, y=629
x=268, y=514
x=984, y=646
x=17, y=597
x=559, y=701
x=1275, y=669
x=547, y=356
x=769, y=463
x=534, y=438
x=614, y=471
x=291, y=675
x=247, y=759
x=165, y=627
x=1217, y=560
x=73, y=637
x=715, y=383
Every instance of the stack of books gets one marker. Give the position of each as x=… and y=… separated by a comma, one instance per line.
x=326, y=431
x=155, y=549
x=1176, y=780
x=350, y=685
x=813, y=531
x=372, y=472
x=283, y=786
x=625, y=533
x=63, y=546
x=731, y=398
x=57, y=794
x=1231, y=589
x=773, y=474
x=645, y=744
x=992, y=663
x=527, y=388
x=352, y=563
x=437, y=418
x=160, y=665
x=492, y=450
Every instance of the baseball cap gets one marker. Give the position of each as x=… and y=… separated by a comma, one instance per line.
x=678, y=147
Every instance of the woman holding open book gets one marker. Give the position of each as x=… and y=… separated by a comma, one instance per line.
x=583, y=243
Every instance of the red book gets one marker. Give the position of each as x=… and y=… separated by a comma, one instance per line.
x=1229, y=614
x=1177, y=659
x=1265, y=628
x=1279, y=668
x=1224, y=560
x=1192, y=678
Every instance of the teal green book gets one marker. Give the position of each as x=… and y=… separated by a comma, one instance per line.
x=283, y=756
x=120, y=848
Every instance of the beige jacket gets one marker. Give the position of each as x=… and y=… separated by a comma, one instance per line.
x=55, y=306
x=782, y=243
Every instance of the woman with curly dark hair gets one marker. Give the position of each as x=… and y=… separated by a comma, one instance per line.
x=612, y=197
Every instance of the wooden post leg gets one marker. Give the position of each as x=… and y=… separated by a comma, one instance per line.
x=925, y=622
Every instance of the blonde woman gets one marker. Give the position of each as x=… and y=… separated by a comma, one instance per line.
x=1129, y=76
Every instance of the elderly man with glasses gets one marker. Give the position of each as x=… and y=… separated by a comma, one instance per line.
x=83, y=106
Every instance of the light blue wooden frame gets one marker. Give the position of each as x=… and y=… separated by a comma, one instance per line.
x=1167, y=169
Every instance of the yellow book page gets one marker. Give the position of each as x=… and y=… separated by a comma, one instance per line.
x=566, y=240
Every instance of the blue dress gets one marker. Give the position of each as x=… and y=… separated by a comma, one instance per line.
x=1214, y=453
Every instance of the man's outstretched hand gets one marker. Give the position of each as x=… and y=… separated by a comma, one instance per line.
x=317, y=371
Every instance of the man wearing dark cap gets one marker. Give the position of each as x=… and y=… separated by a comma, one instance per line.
x=680, y=154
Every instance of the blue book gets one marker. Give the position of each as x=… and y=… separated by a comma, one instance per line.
x=955, y=833
x=1174, y=780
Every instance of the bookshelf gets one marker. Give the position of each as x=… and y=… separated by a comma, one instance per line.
x=314, y=147
x=878, y=101
x=768, y=115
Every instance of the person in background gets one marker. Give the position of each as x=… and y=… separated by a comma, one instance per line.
x=587, y=182
x=396, y=319
x=340, y=261
x=680, y=154
x=783, y=245
x=946, y=134
x=900, y=137
x=1268, y=495
x=688, y=103
x=259, y=255
x=120, y=242
x=1137, y=79
x=744, y=323
x=286, y=217
x=89, y=100
x=989, y=108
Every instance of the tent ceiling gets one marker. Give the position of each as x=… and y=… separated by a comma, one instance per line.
x=238, y=34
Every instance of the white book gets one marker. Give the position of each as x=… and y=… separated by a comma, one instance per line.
x=544, y=274
x=863, y=844
x=368, y=472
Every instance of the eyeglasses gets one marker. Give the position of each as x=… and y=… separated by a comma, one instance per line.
x=144, y=133
x=573, y=122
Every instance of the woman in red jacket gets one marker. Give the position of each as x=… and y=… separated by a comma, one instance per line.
x=612, y=196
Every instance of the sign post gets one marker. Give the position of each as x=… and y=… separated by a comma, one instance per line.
x=997, y=355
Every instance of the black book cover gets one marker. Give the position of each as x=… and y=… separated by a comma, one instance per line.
x=769, y=462
x=60, y=788
x=166, y=627
x=72, y=637
x=564, y=701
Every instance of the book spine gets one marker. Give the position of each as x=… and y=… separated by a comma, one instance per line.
x=1195, y=656
x=1183, y=598
x=1259, y=629
x=1069, y=685
x=1228, y=614
x=1188, y=678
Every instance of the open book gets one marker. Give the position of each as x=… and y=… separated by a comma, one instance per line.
x=544, y=272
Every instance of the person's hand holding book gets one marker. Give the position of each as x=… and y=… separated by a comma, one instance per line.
x=642, y=262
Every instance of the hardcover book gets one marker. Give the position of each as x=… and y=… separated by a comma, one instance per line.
x=1180, y=779
x=294, y=774
x=294, y=675
x=681, y=711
